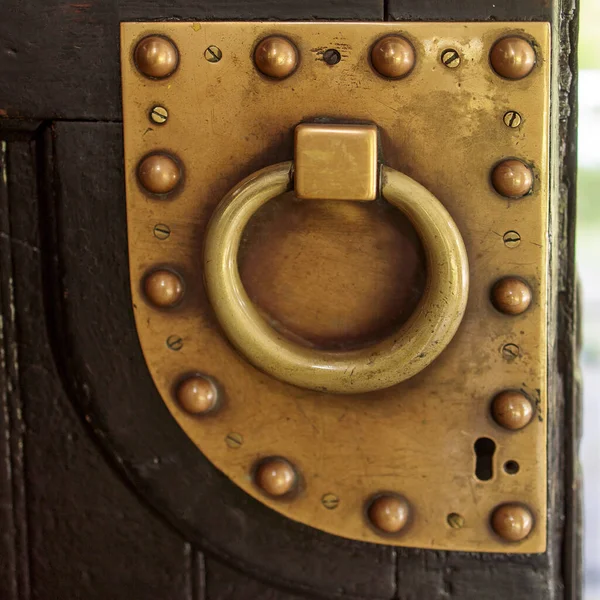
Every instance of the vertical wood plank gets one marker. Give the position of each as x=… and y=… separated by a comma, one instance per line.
x=89, y=536
x=568, y=335
x=14, y=566
x=225, y=583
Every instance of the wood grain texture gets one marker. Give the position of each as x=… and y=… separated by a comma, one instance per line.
x=14, y=566
x=568, y=428
x=471, y=576
x=470, y=10
x=225, y=583
x=76, y=529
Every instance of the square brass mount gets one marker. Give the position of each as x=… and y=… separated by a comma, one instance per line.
x=445, y=127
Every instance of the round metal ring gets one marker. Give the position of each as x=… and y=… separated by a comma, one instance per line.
x=400, y=356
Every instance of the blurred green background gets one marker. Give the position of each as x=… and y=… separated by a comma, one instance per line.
x=589, y=58
x=589, y=34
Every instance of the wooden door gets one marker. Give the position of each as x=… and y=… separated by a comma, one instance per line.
x=103, y=496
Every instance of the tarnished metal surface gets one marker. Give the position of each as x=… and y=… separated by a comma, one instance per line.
x=443, y=127
x=335, y=162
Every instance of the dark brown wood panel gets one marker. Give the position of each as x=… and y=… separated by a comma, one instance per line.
x=471, y=576
x=470, y=10
x=225, y=583
x=14, y=566
x=73, y=528
x=253, y=10
x=568, y=428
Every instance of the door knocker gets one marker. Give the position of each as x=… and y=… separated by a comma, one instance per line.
x=405, y=352
x=419, y=141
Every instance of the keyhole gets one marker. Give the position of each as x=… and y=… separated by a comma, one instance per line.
x=484, y=458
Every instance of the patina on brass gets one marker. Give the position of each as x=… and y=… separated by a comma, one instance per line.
x=511, y=295
x=512, y=409
x=197, y=394
x=276, y=57
x=393, y=56
x=512, y=178
x=513, y=57
x=389, y=513
x=163, y=288
x=513, y=522
x=275, y=476
x=226, y=121
x=402, y=355
x=335, y=162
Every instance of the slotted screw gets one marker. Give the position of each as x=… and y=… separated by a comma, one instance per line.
x=159, y=115
x=510, y=352
x=330, y=501
x=512, y=239
x=161, y=231
x=456, y=521
x=213, y=54
x=512, y=119
x=451, y=58
x=234, y=440
x=332, y=56
x=175, y=342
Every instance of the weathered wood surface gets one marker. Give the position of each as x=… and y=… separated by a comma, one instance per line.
x=102, y=496
x=470, y=10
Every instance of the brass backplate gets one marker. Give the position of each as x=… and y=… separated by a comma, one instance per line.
x=444, y=127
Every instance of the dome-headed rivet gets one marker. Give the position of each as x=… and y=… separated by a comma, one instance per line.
x=197, y=395
x=393, y=57
x=275, y=476
x=513, y=522
x=512, y=57
x=512, y=178
x=276, y=57
x=512, y=409
x=389, y=513
x=156, y=57
x=163, y=288
x=159, y=173
x=511, y=296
